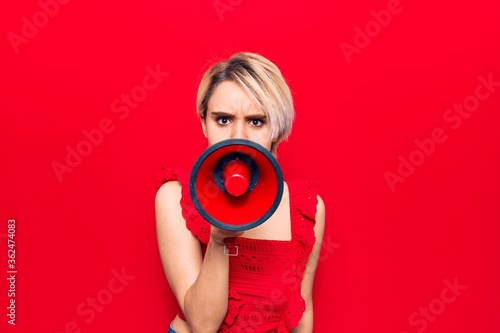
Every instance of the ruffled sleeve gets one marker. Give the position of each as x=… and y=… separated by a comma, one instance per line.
x=167, y=175
x=194, y=221
x=303, y=202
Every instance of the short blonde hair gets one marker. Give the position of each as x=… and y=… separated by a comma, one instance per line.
x=262, y=80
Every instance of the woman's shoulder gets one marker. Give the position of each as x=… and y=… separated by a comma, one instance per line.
x=169, y=185
x=305, y=198
x=173, y=189
x=303, y=184
x=168, y=175
x=168, y=194
x=303, y=191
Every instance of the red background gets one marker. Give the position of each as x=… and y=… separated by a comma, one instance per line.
x=388, y=251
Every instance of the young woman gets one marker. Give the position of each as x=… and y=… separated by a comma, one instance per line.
x=268, y=286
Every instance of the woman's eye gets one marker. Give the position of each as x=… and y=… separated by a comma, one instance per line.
x=223, y=120
x=256, y=122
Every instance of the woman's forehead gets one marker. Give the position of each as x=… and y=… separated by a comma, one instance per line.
x=230, y=98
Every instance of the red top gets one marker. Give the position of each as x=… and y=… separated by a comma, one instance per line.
x=265, y=276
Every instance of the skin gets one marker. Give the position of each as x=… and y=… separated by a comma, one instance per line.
x=199, y=284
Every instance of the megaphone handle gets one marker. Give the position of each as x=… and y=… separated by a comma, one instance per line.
x=230, y=249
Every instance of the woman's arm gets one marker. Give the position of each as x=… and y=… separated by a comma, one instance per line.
x=199, y=284
x=306, y=288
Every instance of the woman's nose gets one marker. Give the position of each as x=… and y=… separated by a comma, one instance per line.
x=239, y=131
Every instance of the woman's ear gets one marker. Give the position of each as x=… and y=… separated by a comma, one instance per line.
x=275, y=138
x=204, y=127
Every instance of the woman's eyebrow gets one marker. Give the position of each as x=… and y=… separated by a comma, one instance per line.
x=221, y=114
x=256, y=116
x=228, y=115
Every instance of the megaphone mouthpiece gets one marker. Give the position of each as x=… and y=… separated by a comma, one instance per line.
x=236, y=175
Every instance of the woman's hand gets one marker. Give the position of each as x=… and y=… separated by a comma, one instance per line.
x=218, y=236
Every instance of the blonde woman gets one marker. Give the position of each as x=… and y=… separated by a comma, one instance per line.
x=268, y=286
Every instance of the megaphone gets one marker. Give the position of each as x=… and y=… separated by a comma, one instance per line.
x=236, y=184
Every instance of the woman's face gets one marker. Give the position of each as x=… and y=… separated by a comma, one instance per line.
x=233, y=114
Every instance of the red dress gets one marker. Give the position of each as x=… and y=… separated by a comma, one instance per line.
x=265, y=276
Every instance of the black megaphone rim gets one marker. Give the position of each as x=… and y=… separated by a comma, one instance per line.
x=230, y=142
